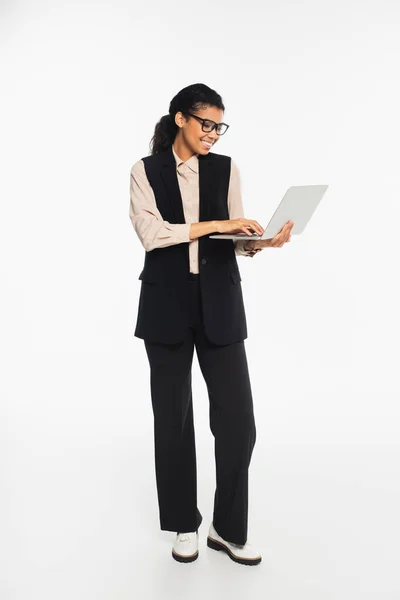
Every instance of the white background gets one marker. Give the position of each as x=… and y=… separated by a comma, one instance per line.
x=312, y=95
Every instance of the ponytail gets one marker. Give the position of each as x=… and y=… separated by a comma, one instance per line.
x=164, y=134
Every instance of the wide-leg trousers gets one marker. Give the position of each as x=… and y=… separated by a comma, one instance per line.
x=232, y=423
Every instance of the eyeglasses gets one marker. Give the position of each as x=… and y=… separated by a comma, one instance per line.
x=207, y=125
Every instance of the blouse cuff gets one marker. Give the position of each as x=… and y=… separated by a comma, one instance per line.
x=240, y=251
x=181, y=231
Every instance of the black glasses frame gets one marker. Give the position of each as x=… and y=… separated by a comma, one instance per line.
x=215, y=125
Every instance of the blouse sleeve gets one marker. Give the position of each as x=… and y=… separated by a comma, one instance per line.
x=146, y=219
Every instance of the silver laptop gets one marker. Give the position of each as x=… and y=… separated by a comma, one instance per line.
x=297, y=205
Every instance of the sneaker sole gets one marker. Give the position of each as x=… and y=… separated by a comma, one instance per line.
x=214, y=545
x=185, y=559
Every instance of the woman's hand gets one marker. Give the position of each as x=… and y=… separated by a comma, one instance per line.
x=281, y=238
x=241, y=225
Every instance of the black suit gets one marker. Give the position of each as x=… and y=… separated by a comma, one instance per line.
x=177, y=312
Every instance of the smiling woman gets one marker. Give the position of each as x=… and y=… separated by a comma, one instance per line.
x=191, y=296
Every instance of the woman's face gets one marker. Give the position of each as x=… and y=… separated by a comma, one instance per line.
x=190, y=129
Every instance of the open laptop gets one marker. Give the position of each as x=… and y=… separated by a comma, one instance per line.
x=297, y=205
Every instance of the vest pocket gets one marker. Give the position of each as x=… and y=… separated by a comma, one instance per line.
x=146, y=277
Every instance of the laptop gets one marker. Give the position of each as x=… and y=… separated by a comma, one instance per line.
x=298, y=205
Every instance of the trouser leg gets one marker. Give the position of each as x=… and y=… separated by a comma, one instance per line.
x=232, y=423
x=174, y=437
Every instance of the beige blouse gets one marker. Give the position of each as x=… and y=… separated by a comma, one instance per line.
x=148, y=223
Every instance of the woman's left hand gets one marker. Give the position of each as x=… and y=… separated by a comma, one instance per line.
x=281, y=238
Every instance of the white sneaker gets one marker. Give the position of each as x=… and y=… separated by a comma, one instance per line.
x=185, y=548
x=245, y=555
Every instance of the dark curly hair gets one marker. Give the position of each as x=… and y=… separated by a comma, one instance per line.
x=191, y=98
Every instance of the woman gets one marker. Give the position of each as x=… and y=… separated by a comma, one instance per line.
x=191, y=297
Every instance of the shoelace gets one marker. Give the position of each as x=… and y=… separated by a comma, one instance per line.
x=184, y=537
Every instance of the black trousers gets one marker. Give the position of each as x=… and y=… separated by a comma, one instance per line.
x=232, y=424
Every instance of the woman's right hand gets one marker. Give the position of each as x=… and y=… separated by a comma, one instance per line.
x=241, y=225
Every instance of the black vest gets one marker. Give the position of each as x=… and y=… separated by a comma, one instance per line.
x=163, y=303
